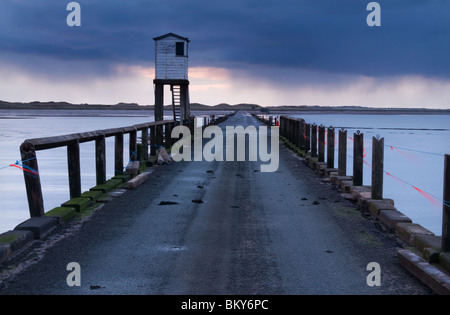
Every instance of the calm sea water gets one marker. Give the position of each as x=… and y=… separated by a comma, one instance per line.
x=415, y=159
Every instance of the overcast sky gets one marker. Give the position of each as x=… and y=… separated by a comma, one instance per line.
x=269, y=52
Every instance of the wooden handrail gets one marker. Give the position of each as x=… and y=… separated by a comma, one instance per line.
x=64, y=140
x=72, y=141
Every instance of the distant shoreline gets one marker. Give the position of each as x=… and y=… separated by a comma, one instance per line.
x=253, y=108
x=367, y=112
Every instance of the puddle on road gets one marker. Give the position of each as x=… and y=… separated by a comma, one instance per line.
x=167, y=203
x=171, y=248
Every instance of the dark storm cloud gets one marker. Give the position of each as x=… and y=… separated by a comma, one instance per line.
x=316, y=35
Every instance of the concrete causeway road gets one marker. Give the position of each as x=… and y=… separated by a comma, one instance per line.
x=220, y=228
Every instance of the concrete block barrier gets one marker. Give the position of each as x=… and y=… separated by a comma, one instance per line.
x=79, y=203
x=331, y=172
x=407, y=231
x=61, y=214
x=431, y=276
x=390, y=218
x=336, y=180
x=39, y=226
x=92, y=194
x=12, y=241
x=108, y=186
x=362, y=194
x=123, y=177
x=375, y=206
x=429, y=246
x=346, y=186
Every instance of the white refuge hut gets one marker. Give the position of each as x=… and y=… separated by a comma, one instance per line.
x=171, y=68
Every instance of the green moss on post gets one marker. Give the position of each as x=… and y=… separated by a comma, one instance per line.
x=92, y=194
x=63, y=214
x=108, y=186
x=5, y=239
x=123, y=177
x=79, y=204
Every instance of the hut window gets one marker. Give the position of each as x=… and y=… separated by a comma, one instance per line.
x=180, y=49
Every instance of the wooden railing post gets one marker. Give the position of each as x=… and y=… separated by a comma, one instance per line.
x=32, y=180
x=159, y=135
x=144, y=138
x=377, y=167
x=291, y=130
x=307, y=137
x=330, y=147
x=100, y=160
x=314, y=140
x=358, y=158
x=446, y=207
x=153, y=140
x=133, y=145
x=321, y=143
x=281, y=126
x=168, y=132
x=288, y=129
x=342, y=154
x=302, y=134
x=73, y=163
x=118, y=154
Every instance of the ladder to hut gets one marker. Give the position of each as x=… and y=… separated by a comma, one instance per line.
x=176, y=102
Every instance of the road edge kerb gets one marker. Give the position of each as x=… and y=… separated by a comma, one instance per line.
x=430, y=275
